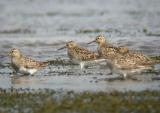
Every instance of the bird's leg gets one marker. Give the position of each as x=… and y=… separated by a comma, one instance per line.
x=82, y=65
x=124, y=75
x=111, y=68
x=13, y=73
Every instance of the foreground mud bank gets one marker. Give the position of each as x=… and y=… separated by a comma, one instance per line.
x=49, y=101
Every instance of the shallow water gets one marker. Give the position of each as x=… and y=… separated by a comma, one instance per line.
x=38, y=28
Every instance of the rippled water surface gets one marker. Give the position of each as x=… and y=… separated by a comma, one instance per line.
x=39, y=27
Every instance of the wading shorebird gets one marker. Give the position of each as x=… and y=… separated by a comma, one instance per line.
x=24, y=65
x=121, y=59
x=80, y=55
x=107, y=50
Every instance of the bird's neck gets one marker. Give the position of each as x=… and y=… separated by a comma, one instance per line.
x=73, y=48
x=103, y=44
x=70, y=52
x=16, y=58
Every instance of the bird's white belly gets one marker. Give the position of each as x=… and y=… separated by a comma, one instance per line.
x=27, y=71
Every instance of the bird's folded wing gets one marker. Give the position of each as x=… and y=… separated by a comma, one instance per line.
x=30, y=63
x=86, y=54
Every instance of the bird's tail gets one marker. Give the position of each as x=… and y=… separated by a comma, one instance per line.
x=45, y=63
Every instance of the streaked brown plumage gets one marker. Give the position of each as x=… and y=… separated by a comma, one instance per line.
x=78, y=54
x=23, y=64
x=122, y=57
x=107, y=50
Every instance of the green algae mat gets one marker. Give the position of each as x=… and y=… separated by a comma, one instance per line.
x=48, y=101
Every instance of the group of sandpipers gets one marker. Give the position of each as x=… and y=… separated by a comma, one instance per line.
x=119, y=59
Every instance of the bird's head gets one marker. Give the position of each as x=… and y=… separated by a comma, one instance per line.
x=15, y=53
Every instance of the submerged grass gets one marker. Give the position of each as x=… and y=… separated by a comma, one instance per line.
x=86, y=102
x=59, y=62
x=85, y=31
x=155, y=57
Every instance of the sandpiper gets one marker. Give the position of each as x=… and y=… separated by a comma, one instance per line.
x=107, y=50
x=24, y=65
x=121, y=59
x=80, y=55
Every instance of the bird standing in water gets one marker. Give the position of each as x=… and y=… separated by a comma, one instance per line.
x=24, y=65
x=80, y=55
x=121, y=59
